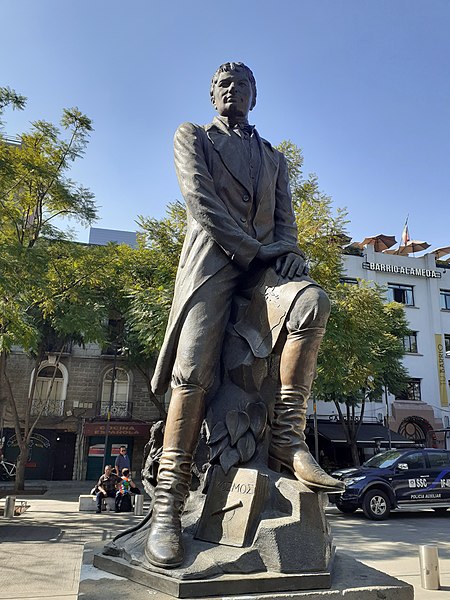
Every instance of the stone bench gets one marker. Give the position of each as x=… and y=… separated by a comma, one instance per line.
x=20, y=507
x=87, y=503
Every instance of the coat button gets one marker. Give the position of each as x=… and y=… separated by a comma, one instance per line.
x=243, y=220
x=245, y=198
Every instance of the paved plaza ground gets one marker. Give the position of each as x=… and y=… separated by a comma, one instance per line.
x=42, y=550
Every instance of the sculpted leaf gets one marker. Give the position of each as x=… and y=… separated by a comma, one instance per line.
x=218, y=433
x=246, y=447
x=229, y=458
x=237, y=423
x=257, y=413
x=217, y=448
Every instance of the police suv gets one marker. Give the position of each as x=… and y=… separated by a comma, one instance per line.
x=412, y=478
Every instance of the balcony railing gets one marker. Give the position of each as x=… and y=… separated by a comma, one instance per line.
x=119, y=409
x=48, y=408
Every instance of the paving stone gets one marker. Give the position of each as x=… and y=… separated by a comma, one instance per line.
x=39, y=570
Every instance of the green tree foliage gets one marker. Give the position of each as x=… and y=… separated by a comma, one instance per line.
x=150, y=304
x=132, y=289
x=46, y=284
x=10, y=98
x=34, y=186
x=322, y=231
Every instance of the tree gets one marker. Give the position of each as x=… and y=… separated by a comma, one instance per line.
x=136, y=284
x=360, y=354
x=41, y=275
x=150, y=304
x=10, y=98
x=322, y=231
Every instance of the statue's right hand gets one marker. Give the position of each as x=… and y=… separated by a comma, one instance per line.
x=275, y=250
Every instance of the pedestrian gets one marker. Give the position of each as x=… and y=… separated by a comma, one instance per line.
x=106, y=487
x=122, y=461
x=126, y=487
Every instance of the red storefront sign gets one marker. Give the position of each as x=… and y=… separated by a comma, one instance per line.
x=117, y=428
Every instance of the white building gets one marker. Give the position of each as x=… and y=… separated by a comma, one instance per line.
x=422, y=285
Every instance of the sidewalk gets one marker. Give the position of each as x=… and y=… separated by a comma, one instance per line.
x=42, y=550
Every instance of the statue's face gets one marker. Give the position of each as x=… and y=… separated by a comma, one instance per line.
x=233, y=94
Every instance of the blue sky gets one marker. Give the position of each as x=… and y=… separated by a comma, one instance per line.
x=362, y=86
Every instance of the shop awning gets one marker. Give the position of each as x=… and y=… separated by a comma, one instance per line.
x=367, y=435
x=125, y=428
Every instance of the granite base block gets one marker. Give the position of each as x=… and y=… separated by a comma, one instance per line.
x=350, y=580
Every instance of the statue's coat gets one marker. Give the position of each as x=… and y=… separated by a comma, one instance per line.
x=226, y=220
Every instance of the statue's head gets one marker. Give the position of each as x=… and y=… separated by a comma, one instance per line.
x=233, y=90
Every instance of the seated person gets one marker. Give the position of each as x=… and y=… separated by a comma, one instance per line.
x=126, y=487
x=106, y=486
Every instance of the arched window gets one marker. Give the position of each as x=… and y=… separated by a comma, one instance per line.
x=50, y=391
x=119, y=406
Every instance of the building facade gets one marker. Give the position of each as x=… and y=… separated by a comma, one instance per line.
x=422, y=285
x=71, y=434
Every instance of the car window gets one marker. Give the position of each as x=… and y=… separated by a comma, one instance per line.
x=383, y=460
x=439, y=459
x=416, y=460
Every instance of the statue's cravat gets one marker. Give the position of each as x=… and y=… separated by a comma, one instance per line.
x=244, y=129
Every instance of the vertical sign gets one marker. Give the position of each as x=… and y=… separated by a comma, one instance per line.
x=440, y=356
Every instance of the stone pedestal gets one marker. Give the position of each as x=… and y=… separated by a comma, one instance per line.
x=291, y=547
x=351, y=580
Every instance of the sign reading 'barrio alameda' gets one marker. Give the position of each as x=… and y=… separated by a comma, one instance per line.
x=373, y=266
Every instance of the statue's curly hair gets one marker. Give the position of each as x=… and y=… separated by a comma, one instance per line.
x=234, y=66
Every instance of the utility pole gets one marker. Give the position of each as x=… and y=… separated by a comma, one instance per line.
x=316, y=432
x=387, y=417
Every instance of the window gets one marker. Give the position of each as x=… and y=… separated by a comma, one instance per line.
x=119, y=406
x=50, y=390
x=439, y=459
x=414, y=461
x=401, y=293
x=447, y=344
x=411, y=392
x=349, y=280
x=115, y=334
x=445, y=299
x=410, y=342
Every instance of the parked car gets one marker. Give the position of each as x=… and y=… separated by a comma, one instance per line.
x=412, y=478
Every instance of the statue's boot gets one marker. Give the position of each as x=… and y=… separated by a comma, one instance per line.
x=288, y=447
x=164, y=545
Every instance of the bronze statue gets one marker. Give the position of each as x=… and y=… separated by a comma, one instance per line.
x=240, y=223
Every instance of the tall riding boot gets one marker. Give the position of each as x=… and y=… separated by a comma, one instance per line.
x=164, y=546
x=288, y=447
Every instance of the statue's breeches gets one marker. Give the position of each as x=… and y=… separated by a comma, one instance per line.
x=208, y=312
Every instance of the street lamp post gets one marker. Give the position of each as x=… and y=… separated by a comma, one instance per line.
x=387, y=417
x=110, y=403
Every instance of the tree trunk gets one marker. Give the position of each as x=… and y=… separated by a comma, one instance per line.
x=20, y=472
x=153, y=399
x=351, y=432
x=355, y=454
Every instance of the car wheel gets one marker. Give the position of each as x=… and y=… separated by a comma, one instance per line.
x=347, y=510
x=376, y=505
x=440, y=510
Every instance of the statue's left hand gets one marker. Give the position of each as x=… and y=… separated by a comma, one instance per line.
x=291, y=265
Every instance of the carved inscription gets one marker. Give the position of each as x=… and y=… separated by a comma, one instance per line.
x=232, y=507
x=238, y=488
